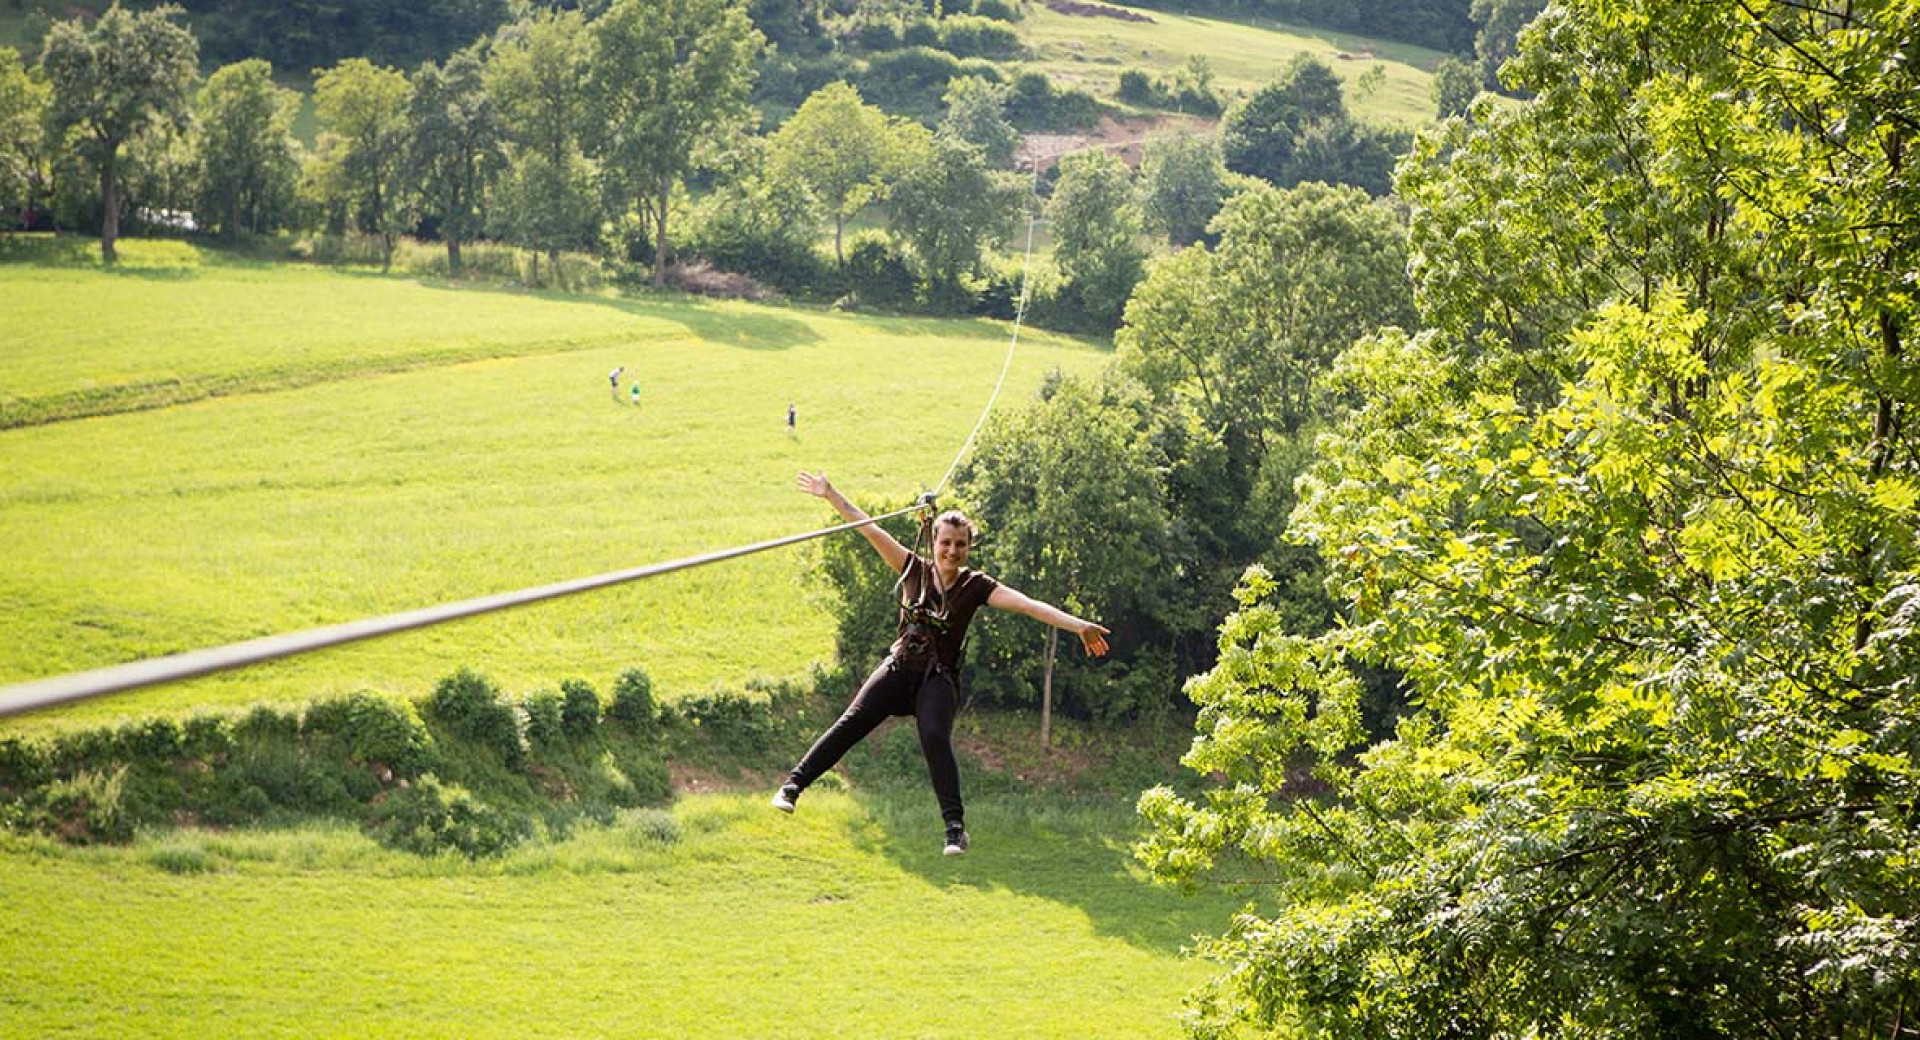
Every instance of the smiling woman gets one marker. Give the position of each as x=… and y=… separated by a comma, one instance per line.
x=920, y=674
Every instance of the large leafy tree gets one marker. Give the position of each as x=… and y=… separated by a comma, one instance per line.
x=1635, y=516
x=23, y=151
x=126, y=74
x=977, y=114
x=363, y=109
x=248, y=165
x=1182, y=185
x=951, y=208
x=1094, y=226
x=546, y=199
x=668, y=84
x=455, y=147
x=841, y=149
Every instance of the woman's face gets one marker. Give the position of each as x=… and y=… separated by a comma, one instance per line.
x=951, y=543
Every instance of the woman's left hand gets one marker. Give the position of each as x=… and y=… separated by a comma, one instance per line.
x=1094, y=638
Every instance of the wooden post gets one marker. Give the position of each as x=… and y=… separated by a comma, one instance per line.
x=1046, y=691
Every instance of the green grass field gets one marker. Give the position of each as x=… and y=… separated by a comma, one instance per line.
x=843, y=920
x=379, y=444
x=1090, y=53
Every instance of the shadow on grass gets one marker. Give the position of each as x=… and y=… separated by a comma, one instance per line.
x=1071, y=850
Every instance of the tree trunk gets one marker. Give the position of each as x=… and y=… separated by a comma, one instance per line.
x=110, y=201
x=453, y=256
x=1046, y=691
x=660, y=235
x=839, y=225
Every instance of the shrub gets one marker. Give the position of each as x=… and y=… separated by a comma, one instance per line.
x=86, y=809
x=702, y=279
x=1136, y=88
x=290, y=779
x=634, y=705
x=579, y=710
x=654, y=826
x=913, y=77
x=971, y=36
x=998, y=10
x=731, y=720
x=544, y=712
x=470, y=706
x=878, y=34
x=154, y=741
x=206, y=738
x=266, y=722
x=877, y=273
x=1035, y=104
x=367, y=728
x=921, y=32
x=430, y=817
x=23, y=764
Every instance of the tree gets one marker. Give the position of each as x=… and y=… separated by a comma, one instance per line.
x=23, y=154
x=1076, y=488
x=128, y=74
x=247, y=164
x=1497, y=36
x=1182, y=185
x=546, y=199
x=1455, y=85
x=1634, y=515
x=667, y=81
x=841, y=149
x=976, y=114
x=1094, y=225
x=1249, y=328
x=455, y=147
x=1257, y=136
x=363, y=109
x=951, y=208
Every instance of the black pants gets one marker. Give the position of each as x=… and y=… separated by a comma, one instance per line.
x=932, y=700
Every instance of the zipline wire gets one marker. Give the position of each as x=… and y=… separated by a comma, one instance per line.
x=38, y=694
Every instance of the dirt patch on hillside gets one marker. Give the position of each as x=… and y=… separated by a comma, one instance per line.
x=1125, y=138
x=1096, y=11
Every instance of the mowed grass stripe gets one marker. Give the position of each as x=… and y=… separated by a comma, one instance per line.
x=162, y=531
x=841, y=921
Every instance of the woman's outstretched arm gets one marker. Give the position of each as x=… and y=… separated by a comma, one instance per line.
x=886, y=545
x=1092, y=636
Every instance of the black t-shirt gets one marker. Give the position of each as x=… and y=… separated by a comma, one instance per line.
x=964, y=597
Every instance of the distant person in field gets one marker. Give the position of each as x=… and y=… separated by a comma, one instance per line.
x=613, y=380
x=636, y=390
x=920, y=674
x=792, y=418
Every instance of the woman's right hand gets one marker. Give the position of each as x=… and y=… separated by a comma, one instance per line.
x=815, y=484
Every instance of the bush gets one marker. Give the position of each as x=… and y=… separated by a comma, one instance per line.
x=915, y=77
x=921, y=32
x=971, y=36
x=430, y=817
x=470, y=706
x=878, y=34
x=290, y=779
x=153, y=741
x=634, y=705
x=266, y=722
x=206, y=738
x=23, y=765
x=544, y=712
x=731, y=720
x=1034, y=104
x=877, y=274
x=1136, y=88
x=998, y=10
x=580, y=710
x=366, y=728
x=88, y=808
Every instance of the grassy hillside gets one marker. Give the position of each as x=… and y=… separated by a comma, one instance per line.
x=381, y=444
x=1091, y=52
x=722, y=919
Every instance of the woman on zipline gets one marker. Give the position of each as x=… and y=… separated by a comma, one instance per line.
x=919, y=676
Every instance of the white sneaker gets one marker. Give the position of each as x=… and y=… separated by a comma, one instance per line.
x=786, y=796
x=956, y=840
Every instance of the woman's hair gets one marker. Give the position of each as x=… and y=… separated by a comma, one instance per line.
x=955, y=518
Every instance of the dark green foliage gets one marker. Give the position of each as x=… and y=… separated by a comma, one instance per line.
x=470, y=706
x=290, y=779
x=1443, y=25
x=786, y=80
x=738, y=723
x=580, y=709
x=877, y=274
x=304, y=34
x=912, y=79
x=206, y=738
x=921, y=32
x=264, y=722
x=634, y=705
x=999, y=10
x=368, y=729
x=430, y=817
x=84, y=810
x=1035, y=104
x=969, y=36
x=154, y=740
x=23, y=765
x=1136, y=88
x=545, y=730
